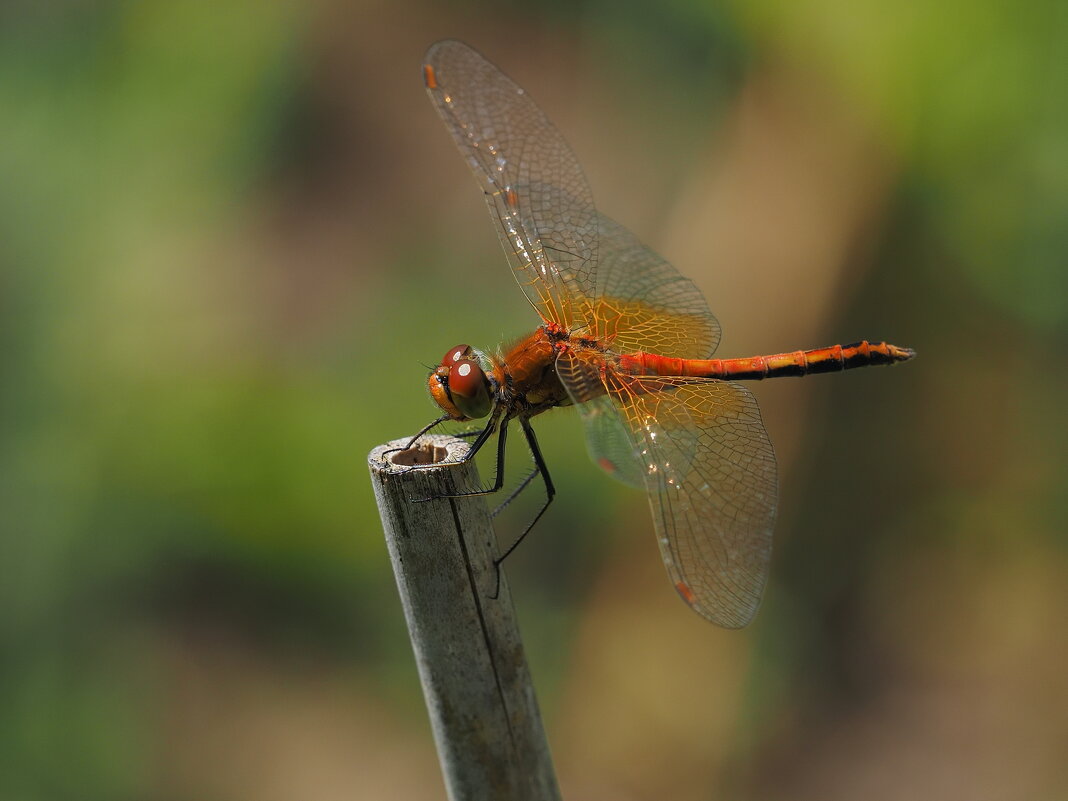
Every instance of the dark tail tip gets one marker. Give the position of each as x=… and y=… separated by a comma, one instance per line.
x=900, y=354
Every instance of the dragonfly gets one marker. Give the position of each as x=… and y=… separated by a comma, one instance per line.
x=626, y=340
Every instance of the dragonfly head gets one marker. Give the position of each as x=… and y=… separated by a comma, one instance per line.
x=460, y=385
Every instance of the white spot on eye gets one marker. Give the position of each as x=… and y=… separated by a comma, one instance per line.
x=464, y=369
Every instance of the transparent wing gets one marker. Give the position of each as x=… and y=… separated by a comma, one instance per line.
x=641, y=302
x=579, y=269
x=536, y=190
x=699, y=448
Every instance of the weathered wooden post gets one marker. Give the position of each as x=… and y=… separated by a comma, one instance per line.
x=477, y=686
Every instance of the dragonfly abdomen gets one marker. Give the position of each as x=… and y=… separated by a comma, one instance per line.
x=797, y=363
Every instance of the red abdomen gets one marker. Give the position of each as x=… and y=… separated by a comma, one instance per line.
x=797, y=363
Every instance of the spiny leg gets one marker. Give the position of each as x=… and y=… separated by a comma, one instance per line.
x=429, y=426
x=515, y=493
x=550, y=493
x=483, y=437
x=498, y=480
x=471, y=432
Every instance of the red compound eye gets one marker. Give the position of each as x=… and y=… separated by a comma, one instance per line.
x=455, y=354
x=469, y=390
x=466, y=379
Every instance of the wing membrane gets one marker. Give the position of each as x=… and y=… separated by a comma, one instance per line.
x=699, y=448
x=579, y=269
x=696, y=445
x=641, y=302
x=537, y=193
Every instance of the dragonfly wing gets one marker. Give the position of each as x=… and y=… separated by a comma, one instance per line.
x=610, y=442
x=714, y=514
x=641, y=302
x=699, y=448
x=610, y=438
x=537, y=193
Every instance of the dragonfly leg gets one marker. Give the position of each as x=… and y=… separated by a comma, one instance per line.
x=483, y=436
x=515, y=493
x=471, y=432
x=498, y=480
x=550, y=493
x=431, y=425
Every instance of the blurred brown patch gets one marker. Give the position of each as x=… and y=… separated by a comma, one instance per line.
x=237, y=726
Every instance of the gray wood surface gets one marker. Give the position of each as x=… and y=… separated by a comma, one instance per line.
x=478, y=690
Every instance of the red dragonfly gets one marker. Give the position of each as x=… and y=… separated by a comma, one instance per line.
x=626, y=340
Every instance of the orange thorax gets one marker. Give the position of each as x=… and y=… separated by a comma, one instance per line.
x=530, y=364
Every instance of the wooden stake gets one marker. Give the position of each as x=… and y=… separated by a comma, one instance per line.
x=477, y=686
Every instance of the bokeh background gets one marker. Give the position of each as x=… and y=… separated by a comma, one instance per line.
x=233, y=233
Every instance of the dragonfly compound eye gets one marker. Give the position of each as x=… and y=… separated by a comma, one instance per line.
x=469, y=389
x=455, y=354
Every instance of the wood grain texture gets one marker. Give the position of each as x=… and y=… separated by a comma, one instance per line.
x=477, y=686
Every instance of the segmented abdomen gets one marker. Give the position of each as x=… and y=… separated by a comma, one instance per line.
x=797, y=363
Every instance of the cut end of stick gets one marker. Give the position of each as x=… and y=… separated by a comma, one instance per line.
x=432, y=449
x=421, y=453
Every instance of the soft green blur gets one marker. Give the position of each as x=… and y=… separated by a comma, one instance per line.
x=232, y=235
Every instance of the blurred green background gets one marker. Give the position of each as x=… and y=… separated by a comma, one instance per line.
x=231, y=236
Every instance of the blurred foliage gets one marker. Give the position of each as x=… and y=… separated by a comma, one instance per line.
x=972, y=93
x=230, y=232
